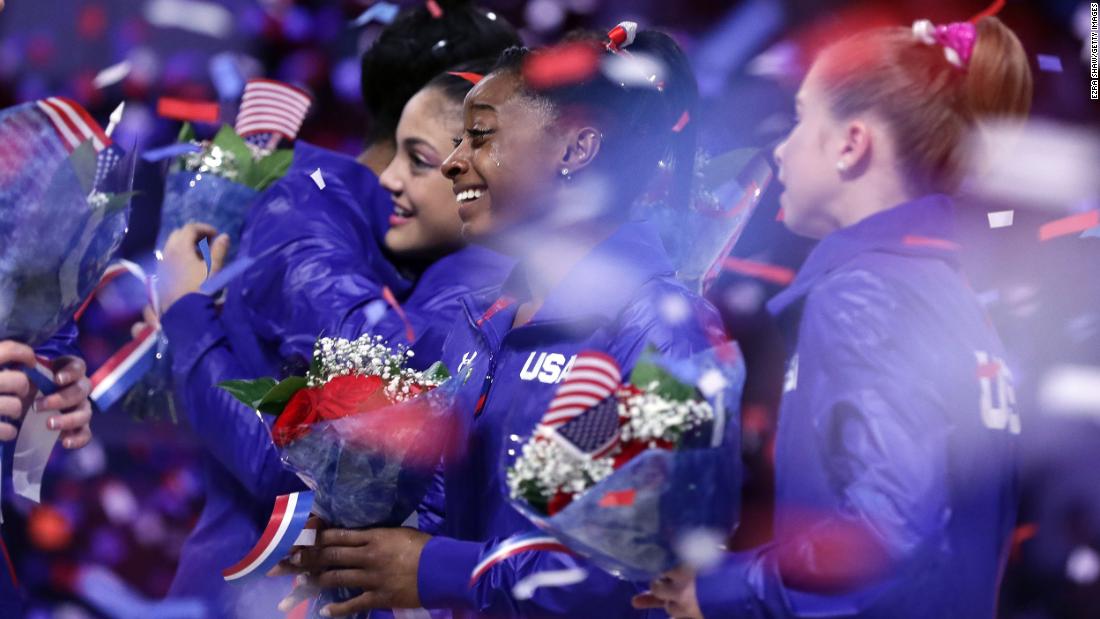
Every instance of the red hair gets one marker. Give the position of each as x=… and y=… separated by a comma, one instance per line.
x=929, y=104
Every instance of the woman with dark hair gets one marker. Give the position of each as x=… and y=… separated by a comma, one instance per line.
x=896, y=479
x=365, y=254
x=546, y=174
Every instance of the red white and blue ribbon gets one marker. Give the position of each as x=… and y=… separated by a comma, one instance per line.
x=526, y=542
x=286, y=528
x=124, y=369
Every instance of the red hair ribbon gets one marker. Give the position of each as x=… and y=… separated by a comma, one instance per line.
x=989, y=11
x=473, y=78
x=621, y=36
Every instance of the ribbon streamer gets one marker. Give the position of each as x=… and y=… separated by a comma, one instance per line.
x=526, y=542
x=285, y=528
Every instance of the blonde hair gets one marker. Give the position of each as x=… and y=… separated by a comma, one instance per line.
x=929, y=104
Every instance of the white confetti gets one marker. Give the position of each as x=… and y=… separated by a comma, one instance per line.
x=205, y=18
x=1071, y=390
x=525, y=589
x=1083, y=566
x=317, y=178
x=711, y=382
x=1000, y=219
x=674, y=309
x=112, y=74
x=701, y=548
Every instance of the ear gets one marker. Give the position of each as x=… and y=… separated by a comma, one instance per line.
x=855, y=151
x=581, y=148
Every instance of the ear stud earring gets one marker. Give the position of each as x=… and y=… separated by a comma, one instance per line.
x=841, y=166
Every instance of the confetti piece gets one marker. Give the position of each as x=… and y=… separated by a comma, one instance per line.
x=560, y=65
x=1071, y=390
x=711, y=383
x=167, y=152
x=204, y=249
x=382, y=12
x=913, y=240
x=317, y=178
x=1069, y=225
x=760, y=270
x=206, y=18
x=701, y=548
x=227, y=77
x=685, y=118
x=114, y=119
x=434, y=9
x=112, y=74
x=473, y=78
x=195, y=111
x=634, y=70
x=1000, y=219
x=618, y=498
x=1051, y=64
x=525, y=589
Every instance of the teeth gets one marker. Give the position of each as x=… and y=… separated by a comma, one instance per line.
x=468, y=195
x=400, y=211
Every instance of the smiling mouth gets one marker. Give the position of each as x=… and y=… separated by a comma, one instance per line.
x=468, y=195
x=401, y=211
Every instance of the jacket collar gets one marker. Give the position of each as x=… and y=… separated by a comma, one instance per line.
x=599, y=286
x=922, y=227
x=474, y=267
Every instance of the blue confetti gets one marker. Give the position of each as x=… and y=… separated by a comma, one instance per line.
x=167, y=152
x=1052, y=64
x=226, y=75
x=382, y=12
x=204, y=247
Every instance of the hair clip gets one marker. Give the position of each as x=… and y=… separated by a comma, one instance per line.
x=957, y=39
x=473, y=78
x=621, y=36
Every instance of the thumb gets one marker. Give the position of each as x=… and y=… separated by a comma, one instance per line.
x=218, y=252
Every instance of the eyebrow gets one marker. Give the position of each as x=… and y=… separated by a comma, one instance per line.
x=411, y=143
x=483, y=106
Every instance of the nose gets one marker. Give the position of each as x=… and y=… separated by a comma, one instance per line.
x=456, y=164
x=777, y=152
x=390, y=179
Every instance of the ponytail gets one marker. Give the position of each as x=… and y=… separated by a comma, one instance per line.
x=932, y=87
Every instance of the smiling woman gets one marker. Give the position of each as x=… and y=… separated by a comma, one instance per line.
x=425, y=224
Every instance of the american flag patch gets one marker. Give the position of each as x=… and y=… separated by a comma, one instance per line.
x=595, y=432
x=271, y=107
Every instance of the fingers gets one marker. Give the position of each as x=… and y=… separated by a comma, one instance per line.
x=7, y=431
x=76, y=438
x=343, y=537
x=11, y=407
x=647, y=600
x=353, y=579
x=149, y=316
x=14, y=352
x=67, y=397
x=302, y=591
x=136, y=329
x=365, y=601
x=68, y=369
x=15, y=383
x=218, y=251
x=72, y=420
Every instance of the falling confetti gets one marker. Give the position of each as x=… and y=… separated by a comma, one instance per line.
x=434, y=9
x=1000, y=219
x=1069, y=225
x=206, y=18
x=112, y=74
x=1071, y=390
x=570, y=63
x=711, y=382
x=701, y=548
x=317, y=178
x=1051, y=64
x=685, y=118
x=196, y=111
x=382, y=12
x=760, y=270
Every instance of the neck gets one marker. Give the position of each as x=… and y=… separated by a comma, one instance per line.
x=863, y=199
x=547, y=262
x=377, y=156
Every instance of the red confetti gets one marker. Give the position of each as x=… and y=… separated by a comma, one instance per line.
x=473, y=78
x=1069, y=225
x=91, y=22
x=781, y=215
x=197, y=111
x=571, y=63
x=685, y=118
x=914, y=240
x=387, y=294
x=989, y=370
x=618, y=498
x=760, y=270
x=434, y=9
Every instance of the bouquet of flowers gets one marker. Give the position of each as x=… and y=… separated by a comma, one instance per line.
x=363, y=430
x=64, y=197
x=626, y=473
x=216, y=182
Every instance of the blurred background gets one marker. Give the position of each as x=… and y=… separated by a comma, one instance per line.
x=104, y=542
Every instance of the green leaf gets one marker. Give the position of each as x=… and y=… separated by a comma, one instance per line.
x=187, y=133
x=437, y=372
x=647, y=372
x=275, y=400
x=227, y=139
x=250, y=392
x=269, y=169
x=83, y=161
x=118, y=201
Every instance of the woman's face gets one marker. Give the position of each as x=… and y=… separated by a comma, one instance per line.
x=424, y=224
x=507, y=168
x=807, y=162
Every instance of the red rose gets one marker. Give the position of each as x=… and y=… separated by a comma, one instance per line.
x=300, y=413
x=630, y=449
x=349, y=395
x=558, y=502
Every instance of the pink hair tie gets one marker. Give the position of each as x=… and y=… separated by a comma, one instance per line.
x=957, y=39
